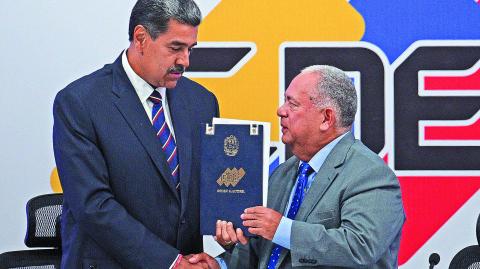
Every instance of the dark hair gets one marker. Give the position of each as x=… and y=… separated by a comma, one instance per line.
x=154, y=15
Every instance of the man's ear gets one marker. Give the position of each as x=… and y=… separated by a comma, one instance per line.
x=329, y=119
x=140, y=36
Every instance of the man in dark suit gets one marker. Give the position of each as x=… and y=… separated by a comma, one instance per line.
x=126, y=142
x=335, y=204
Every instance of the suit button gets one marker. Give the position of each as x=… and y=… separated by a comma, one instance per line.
x=92, y=267
x=183, y=221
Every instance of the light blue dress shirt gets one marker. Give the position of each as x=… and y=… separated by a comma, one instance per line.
x=284, y=230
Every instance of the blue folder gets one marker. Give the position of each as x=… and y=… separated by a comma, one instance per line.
x=231, y=174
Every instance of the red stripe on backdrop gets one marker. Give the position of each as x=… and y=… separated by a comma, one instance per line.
x=471, y=132
x=429, y=202
x=452, y=83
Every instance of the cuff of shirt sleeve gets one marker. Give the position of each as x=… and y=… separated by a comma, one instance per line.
x=283, y=233
x=222, y=263
x=176, y=262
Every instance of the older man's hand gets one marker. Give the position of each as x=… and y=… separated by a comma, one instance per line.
x=227, y=236
x=261, y=221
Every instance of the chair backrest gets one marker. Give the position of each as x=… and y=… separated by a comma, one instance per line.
x=43, y=230
x=31, y=259
x=478, y=229
x=43, y=221
x=467, y=258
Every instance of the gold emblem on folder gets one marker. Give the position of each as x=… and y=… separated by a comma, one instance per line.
x=231, y=145
x=231, y=177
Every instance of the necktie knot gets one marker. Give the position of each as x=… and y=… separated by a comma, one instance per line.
x=155, y=97
x=305, y=169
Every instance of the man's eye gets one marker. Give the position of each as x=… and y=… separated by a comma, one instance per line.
x=176, y=48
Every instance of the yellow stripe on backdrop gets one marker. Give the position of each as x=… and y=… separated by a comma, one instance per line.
x=55, y=181
x=252, y=93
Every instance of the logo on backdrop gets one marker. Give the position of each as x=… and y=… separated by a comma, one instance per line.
x=434, y=100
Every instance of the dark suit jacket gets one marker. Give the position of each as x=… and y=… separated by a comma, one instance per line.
x=351, y=216
x=121, y=209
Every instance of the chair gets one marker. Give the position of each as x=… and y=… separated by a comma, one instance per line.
x=43, y=230
x=469, y=257
x=478, y=229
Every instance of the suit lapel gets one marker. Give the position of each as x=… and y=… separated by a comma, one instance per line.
x=281, y=185
x=183, y=138
x=325, y=176
x=280, y=193
x=133, y=112
x=322, y=181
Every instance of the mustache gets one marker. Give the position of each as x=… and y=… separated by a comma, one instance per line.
x=176, y=69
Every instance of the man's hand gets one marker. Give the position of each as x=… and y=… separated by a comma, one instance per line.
x=203, y=259
x=185, y=264
x=261, y=221
x=227, y=236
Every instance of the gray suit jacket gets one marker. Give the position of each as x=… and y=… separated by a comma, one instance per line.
x=351, y=217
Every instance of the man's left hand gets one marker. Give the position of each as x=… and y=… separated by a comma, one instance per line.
x=261, y=221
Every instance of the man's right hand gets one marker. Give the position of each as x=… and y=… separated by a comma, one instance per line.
x=203, y=259
x=185, y=264
x=227, y=236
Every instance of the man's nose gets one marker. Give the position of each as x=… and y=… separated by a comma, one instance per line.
x=281, y=111
x=184, y=58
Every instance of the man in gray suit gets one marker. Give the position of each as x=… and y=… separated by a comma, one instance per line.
x=335, y=204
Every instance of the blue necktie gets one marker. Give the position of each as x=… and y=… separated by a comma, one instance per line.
x=305, y=171
x=165, y=136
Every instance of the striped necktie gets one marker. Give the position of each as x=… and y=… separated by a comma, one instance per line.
x=305, y=170
x=165, y=136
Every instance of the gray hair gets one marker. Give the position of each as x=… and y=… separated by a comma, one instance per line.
x=154, y=15
x=335, y=89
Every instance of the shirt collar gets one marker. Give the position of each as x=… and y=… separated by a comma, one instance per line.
x=143, y=89
x=319, y=158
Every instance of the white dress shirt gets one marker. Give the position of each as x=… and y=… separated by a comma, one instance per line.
x=144, y=90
